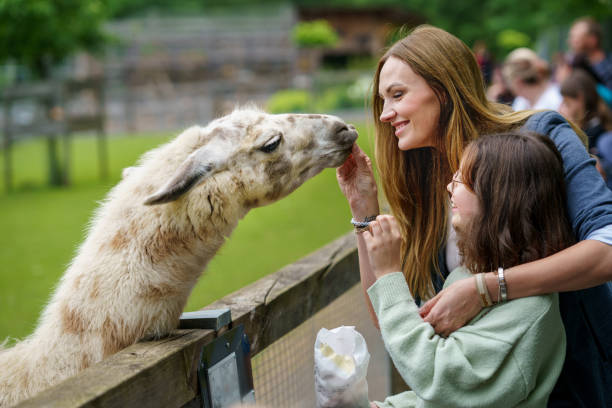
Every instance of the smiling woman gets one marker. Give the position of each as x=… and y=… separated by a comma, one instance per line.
x=409, y=105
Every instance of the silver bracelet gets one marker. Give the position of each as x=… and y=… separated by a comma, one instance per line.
x=503, y=289
x=365, y=223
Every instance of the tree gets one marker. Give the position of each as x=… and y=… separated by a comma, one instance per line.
x=316, y=33
x=39, y=34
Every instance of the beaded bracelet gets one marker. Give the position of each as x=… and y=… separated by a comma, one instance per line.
x=481, y=287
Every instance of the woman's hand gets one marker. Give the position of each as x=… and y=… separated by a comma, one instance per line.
x=356, y=180
x=452, y=308
x=384, y=242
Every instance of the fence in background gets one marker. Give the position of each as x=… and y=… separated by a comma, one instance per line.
x=53, y=110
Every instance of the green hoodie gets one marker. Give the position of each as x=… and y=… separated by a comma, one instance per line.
x=509, y=355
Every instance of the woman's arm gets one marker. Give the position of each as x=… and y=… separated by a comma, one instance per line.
x=356, y=181
x=583, y=265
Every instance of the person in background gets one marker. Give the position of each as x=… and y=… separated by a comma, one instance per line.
x=484, y=60
x=528, y=77
x=499, y=91
x=585, y=38
x=511, y=354
x=582, y=104
x=570, y=63
x=428, y=103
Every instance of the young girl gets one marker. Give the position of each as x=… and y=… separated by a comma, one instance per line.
x=508, y=207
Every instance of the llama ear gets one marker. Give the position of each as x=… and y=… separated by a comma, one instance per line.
x=199, y=165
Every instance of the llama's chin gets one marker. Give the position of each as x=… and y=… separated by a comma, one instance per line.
x=337, y=159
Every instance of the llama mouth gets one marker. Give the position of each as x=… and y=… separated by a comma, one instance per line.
x=337, y=157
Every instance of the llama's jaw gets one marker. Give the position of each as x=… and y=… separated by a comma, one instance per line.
x=344, y=138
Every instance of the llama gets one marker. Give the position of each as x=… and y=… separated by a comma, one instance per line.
x=156, y=231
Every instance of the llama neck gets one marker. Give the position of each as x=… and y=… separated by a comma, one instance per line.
x=134, y=273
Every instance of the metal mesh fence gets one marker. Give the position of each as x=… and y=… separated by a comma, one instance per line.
x=283, y=373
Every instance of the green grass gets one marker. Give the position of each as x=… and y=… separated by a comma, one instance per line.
x=42, y=228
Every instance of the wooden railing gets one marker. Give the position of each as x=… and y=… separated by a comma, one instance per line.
x=163, y=373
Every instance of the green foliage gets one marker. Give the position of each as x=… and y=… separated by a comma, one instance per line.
x=315, y=33
x=41, y=33
x=473, y=20
x=510, y=39
x=332, y=95
x=290, y=100
x=128, y=8
x=340, y=97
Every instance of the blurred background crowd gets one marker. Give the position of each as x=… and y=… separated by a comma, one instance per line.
x=577, y=83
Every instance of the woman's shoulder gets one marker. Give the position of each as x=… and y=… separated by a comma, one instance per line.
x=544, y=121
x=555, y=126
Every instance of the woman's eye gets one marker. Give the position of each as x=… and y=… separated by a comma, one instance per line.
x=271, y=144
x=397, y=94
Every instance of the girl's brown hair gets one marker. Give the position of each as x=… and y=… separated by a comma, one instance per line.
x=414, y=181
x=520, y=184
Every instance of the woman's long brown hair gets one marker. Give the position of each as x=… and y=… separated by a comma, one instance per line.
x=519, y=180
x=414, y=181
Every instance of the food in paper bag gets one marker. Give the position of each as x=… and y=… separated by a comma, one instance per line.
x=341, y=364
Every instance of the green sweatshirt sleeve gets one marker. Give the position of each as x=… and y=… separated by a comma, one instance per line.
x=475, y=366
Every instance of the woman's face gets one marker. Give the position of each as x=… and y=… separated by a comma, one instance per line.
x=573, y=108
x=465, y=205
x=410, y=106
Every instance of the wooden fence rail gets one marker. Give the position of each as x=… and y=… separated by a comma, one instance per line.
x=52, y=118
x=163, y=373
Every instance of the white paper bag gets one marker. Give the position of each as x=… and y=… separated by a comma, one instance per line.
x=341, y=363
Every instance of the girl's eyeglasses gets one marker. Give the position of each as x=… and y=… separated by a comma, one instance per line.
x=456, y=180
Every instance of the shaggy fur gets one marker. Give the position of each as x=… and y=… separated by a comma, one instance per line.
x=156, y=231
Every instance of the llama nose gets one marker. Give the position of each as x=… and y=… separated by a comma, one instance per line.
x=345, y=134
x=339, y=127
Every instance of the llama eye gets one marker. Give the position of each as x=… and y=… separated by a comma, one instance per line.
x=271, y=144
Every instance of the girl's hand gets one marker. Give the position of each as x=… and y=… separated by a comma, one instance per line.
x=452, y=308
x=383, y=242
x=356, y=180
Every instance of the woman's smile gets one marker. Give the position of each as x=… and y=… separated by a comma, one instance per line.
x=399, y=127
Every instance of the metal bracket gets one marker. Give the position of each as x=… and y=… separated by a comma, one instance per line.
x=206, y=319
x=224, y=373
x=225, y=377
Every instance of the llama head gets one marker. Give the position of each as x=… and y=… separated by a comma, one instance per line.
x=268, y=155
